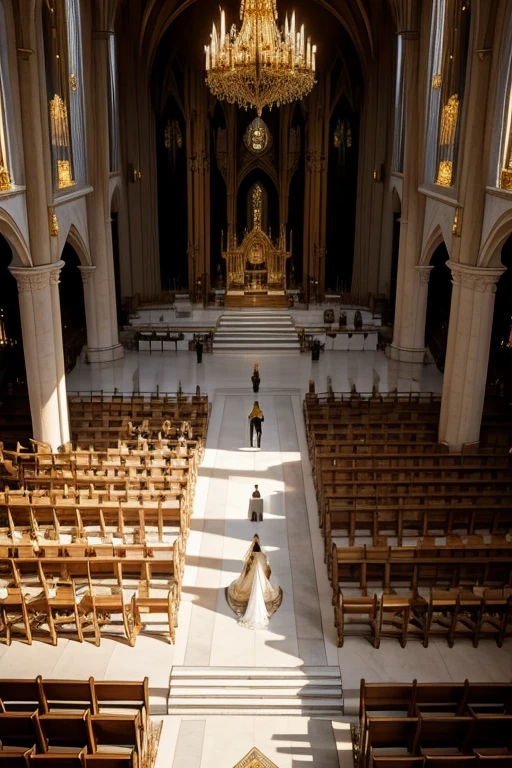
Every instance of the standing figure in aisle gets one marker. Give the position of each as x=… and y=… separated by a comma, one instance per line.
x=256, y=418
x=252, y=597
x=255, y=378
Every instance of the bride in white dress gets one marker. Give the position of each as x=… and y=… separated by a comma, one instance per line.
x=252, y=597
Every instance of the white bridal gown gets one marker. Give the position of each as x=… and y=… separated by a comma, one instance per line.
x=256, y=615
x=252, y=597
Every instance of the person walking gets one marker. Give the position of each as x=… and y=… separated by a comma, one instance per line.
x=256, y=418
x=255, y=378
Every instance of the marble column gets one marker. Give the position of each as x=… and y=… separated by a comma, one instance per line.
x=42, y=345
x=315, y=198
x=197, y=142
x=467, y=354
x=412, y=329
x=36, y=144
x=412, y=282
x=102, y=334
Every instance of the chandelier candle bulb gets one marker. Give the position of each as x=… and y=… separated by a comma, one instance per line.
x=263, y=64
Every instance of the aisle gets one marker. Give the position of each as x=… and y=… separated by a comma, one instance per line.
x=221, y=534
x=209, y=635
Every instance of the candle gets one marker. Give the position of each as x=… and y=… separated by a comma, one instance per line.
x=222, y=28
x=308, y=53
x=313, y=61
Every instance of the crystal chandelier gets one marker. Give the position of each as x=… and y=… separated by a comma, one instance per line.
x=261, y=65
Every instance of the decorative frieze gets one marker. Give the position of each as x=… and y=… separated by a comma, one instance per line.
x=87, y=273
x=36, y=278
x=481, y=279
x=424, y=273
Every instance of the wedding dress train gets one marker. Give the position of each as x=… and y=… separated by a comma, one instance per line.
x=252, y=597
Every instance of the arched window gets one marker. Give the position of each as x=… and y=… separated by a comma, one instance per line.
x=398, y=144
x=64, y=81
x=7, y=159
x=113, y=119
x=505, y=175
x=500, y=165
x=447, y=75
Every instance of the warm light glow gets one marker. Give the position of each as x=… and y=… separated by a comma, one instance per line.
x=260, y=66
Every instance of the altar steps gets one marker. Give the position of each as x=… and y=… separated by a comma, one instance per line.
x=310, y=691
x=256, y=331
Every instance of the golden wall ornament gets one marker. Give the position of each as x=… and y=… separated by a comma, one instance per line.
x=53, y=222
x=64, y=175
x=444, y=173
x=73, y=85
x=257, y=137
x=59, y=122
x=257, y=205
x=5, y=181
x=506, y=178
x=449, y=120
x=436, y=82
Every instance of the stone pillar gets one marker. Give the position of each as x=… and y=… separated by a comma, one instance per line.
x=412, y=328
x=315, y=198
x=88, y=274
x=412, y=285
x=42, y=345
x=102, y=335
x=197, y=126
x=36, y=143
x=467, y=354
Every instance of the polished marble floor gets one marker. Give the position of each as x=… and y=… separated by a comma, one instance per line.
x=302, y=631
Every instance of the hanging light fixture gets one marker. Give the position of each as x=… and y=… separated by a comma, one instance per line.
x=261, y=65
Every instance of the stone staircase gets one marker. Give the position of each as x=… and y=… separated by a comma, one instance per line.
x=256, y=330
x=310, y=691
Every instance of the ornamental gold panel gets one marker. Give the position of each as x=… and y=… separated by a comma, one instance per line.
x=506, y=178
x=444, y=173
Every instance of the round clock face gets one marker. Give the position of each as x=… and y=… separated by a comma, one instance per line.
x=256, y=137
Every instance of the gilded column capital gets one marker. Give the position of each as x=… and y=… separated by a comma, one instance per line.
x=481, y=279
x=36, y=278
x=87, y=273
x=424, y=272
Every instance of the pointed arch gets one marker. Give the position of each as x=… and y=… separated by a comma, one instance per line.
x=74, y=238
x=12, y=233
x=434, y=240
x=490, y=253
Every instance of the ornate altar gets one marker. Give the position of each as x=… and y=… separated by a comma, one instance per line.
x=257, y=266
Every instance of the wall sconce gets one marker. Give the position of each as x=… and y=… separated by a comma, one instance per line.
x=378, y=173
x=135, y=174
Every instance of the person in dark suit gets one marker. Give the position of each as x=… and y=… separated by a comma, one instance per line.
x=256, y=418
x=199, y=349
x=255, y=378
